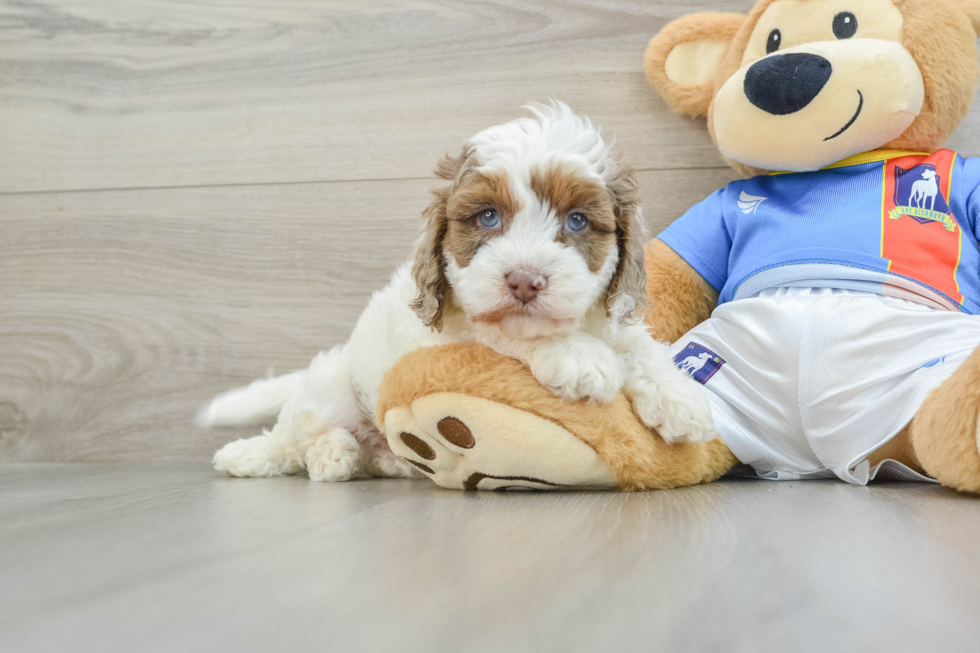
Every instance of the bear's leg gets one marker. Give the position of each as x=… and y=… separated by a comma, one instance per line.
x=470, y=418
x=901, y=450
x=944, y=431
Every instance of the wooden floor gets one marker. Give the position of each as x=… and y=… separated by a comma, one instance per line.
x=173, y=557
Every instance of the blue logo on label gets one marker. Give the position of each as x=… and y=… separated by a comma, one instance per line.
x=700, y=362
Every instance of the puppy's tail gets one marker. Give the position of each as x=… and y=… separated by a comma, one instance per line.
x=259, y=403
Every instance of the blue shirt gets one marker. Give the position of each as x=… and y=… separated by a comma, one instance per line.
x=892, y=223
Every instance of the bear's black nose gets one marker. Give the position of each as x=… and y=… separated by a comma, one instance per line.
x=786, y=83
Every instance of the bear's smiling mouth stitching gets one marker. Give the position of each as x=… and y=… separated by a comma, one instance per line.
x=851, y=121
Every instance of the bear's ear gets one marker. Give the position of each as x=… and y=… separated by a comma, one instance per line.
x=972, y=10
x=683, y=60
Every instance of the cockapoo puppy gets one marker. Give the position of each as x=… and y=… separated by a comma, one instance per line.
x=535, y=249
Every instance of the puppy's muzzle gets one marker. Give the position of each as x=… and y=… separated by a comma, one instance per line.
x=786, y=83
x=525, y=285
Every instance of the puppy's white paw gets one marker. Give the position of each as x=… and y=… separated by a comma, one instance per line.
x=334, y=457
x=580, y=369
x=679, y=411
x=261, y=456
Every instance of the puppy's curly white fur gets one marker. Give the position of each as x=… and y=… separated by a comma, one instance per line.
x=535, y=249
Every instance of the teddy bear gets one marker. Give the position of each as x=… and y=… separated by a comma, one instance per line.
x=827, y=304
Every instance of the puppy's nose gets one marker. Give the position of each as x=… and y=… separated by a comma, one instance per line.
x=786, y=83
x=525, y=285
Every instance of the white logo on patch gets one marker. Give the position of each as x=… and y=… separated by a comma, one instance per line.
x=693, y=364
x=749, y=203
x=925, y=189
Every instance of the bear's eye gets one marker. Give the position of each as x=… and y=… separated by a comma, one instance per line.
x=845, y=25
x=775, y=40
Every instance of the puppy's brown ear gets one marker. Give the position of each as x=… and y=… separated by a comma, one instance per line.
x=429, y=268
x=626, y=300
x=450, y=167
x=683, y=61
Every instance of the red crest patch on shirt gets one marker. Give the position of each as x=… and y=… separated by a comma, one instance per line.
x=919, y=234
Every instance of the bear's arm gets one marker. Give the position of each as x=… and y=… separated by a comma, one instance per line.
x=680, y=298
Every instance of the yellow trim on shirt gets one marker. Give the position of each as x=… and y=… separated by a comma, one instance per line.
x=866, y=157
x=884, y=190
x=959, y=253
x=872, y=156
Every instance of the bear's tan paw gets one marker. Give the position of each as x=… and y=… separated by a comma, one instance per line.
x=467, y=443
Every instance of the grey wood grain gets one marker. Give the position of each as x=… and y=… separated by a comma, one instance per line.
x=121, y=312
x=176, y=558
x=157, y=93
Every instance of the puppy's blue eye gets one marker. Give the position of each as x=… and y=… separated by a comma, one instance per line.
x=577, y=223
x=489, y=219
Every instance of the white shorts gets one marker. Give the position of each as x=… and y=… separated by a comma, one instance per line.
x=805, y=383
